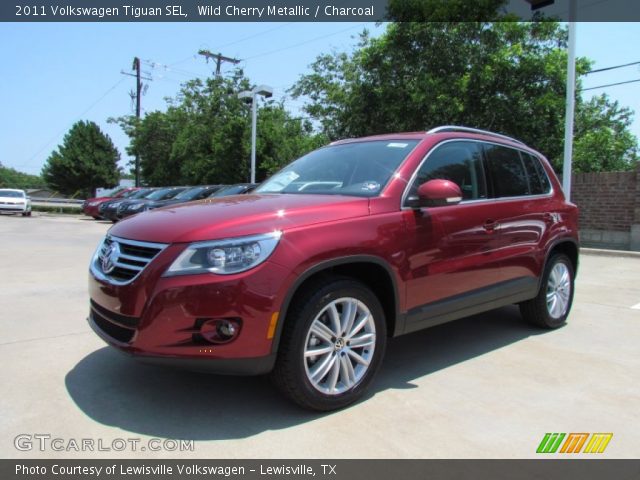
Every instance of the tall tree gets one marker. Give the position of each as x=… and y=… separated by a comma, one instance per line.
x=204, y=136
x=86, y=160
x=505, y=76
x=603, y=140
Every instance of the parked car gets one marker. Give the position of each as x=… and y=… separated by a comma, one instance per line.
x=91, y=206
x=128, y=208
x=187, y=195
x=237, y=189
x=366, y=238
x=109, y=209
x=15, y=201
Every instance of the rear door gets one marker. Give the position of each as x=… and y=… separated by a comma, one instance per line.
x=522, y=201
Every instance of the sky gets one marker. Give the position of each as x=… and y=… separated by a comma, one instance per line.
x=54, y=74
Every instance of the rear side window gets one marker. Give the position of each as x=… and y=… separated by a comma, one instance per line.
x=507, y=171
x=459, y=162
x=538, y=181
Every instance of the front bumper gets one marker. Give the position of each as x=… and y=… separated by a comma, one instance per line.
x=157, y=319
x=15, y=208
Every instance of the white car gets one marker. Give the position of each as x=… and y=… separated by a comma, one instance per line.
x=15, y=201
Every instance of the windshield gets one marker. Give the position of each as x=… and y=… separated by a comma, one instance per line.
x=164, y=193
x=359, y=169
x=233, y=190
x=190, y=193
x=11, y=194
x=141, y=193
x=128, y=194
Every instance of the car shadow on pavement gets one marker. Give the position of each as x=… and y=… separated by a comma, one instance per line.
x=118, y=391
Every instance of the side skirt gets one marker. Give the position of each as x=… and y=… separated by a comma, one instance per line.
x=471, y=303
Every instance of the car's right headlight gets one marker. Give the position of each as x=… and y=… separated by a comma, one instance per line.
x=225, y=257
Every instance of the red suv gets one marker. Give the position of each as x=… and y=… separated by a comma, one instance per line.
x=358, y=241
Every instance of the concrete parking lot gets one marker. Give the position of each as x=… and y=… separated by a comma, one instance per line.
x=489, y=386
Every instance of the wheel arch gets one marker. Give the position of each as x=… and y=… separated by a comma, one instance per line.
x=567, y=246
x=370, y=270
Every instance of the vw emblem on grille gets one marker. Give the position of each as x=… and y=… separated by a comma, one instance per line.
x=109, y=258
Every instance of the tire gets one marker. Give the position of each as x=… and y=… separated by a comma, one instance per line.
x=551, y=307
x=340, y=373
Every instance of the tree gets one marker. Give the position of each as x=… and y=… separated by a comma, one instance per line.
x=204, y=136
x=603, y=141
x=508, y=77
x=12, y=178
x=86, y=160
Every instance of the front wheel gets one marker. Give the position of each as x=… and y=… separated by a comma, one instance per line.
x=331, y=346
x=550, y=308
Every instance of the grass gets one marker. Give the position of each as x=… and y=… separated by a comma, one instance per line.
x=56, y=209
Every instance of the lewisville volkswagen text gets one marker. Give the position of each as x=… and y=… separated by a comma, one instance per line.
x=358, y=241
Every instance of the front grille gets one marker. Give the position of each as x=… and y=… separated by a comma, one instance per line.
x=120, y=261
x=117, y=332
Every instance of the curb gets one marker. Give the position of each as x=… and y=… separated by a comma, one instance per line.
x=600, y=252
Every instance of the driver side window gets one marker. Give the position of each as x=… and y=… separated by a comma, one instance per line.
x=459, y=162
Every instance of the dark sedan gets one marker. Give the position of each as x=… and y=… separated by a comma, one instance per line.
x=131, y=207
x=237, y=189
x=109, y=209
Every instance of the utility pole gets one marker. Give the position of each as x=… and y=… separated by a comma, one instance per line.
x=136, y=67
x=219, y=58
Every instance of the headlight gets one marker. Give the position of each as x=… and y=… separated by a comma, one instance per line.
x=224, y=257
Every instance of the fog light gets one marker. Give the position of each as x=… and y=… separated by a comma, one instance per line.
x=220, y=330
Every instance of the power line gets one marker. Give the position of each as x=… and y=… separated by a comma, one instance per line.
x=255, y=35
x=609, y=85
x=612, y=68
x=264, y=54
x=67, y=127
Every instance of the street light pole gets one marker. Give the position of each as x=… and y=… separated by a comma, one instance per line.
x=254, y=127
x=570, y=102
x=252, y=96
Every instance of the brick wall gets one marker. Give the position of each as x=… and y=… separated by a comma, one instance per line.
x=609, y=205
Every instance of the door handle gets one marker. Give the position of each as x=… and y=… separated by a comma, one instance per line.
x=490, y=225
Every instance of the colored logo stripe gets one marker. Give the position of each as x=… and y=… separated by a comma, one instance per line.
x=598, y=442
x=574, y=442
x=550, y=443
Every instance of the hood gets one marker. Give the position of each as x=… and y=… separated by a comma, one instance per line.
x=237, y=215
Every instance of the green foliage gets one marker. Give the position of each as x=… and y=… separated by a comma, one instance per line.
x=603, y=140
x=11, y=178
x=445, y=10
x=508, y=77
x=86, y=160
x=67, y=210
x=204, y=136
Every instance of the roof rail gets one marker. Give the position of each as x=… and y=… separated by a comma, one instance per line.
x=455, y=128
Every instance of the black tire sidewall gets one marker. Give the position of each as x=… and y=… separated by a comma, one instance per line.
x=542, y=296
x=318, y=301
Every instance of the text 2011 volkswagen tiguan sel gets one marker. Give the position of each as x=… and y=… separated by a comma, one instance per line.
x=361, y=240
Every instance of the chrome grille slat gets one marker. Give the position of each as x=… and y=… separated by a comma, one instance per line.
x=126, y=261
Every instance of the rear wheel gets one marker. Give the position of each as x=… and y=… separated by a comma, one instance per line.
x=550, y=308
x=331, y=346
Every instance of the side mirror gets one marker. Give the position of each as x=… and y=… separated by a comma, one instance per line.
x=436, y=193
